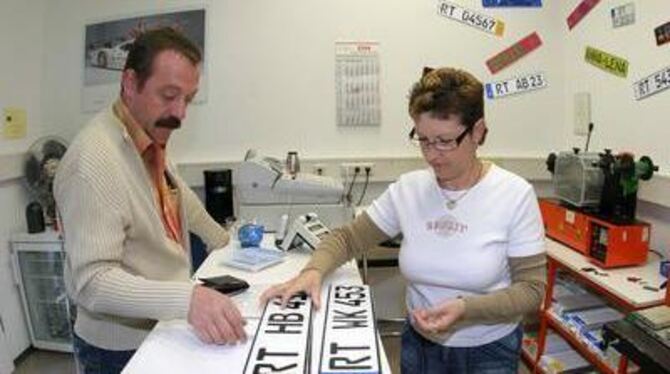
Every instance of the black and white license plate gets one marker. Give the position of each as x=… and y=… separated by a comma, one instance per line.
x=283, y=338
x=349, y=332
x=623, y=15
x=652, y=84
x=512, y=86
x=471, y=18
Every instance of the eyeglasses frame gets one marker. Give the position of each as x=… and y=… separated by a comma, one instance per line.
x=432, y=143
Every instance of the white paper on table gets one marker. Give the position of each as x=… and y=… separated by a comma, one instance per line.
x=173, y=347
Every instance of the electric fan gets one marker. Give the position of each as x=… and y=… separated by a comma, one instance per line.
x=42, y=160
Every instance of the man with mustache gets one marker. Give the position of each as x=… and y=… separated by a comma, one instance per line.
x=126, y=215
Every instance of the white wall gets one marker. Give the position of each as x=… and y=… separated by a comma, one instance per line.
x=22, y=44
x=271, y=81
x=271, y=77
x=271, y=73
x=13, y=201
x=621, y=122
x=6, y=362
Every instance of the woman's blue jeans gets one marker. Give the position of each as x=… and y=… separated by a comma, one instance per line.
x=421, y=356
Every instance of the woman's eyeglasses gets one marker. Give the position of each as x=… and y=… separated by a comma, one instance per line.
x=438, y=144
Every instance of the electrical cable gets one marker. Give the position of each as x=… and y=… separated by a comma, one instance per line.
x=588, y=137
x=659, y=254
x=365, y=186
x=351, y=185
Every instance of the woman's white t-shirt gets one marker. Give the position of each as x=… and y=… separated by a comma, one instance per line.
x=447, y=253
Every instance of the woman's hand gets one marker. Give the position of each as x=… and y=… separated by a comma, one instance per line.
x=438, y=319
x=309, y=281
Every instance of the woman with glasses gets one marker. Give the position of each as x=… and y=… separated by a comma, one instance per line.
x=473, y=241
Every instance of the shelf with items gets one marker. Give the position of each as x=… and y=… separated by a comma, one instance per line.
x=613, y=285
x=559, y=356
x=597, y=360
x=529, y=349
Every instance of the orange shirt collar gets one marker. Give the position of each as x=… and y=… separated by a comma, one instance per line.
x=137, y=133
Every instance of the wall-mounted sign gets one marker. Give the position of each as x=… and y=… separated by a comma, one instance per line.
x=349, y=333
x=357, y=97
x=652, y=84
x=607, y=62
x=469, y=17
x=514, y=53
x=512, y=86
x=623, y=15
x=662, y=34
x=15, y=123
x=283, y=338
x=511, y=3
x=580, y=12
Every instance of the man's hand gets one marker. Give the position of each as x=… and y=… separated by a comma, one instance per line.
x=308, y=281
x=437, y=320
x=215, y=317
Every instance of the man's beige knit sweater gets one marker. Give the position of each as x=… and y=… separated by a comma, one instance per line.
x=122, y=270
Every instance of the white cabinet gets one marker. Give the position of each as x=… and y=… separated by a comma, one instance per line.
x=38, y=261
x=6, y=362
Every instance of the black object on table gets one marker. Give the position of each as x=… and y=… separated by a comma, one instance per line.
x=639, y=346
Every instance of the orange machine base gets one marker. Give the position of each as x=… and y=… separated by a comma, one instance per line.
x=605, y=243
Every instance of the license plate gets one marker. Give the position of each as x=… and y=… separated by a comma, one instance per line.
x=652, y=84
x=607, y=62
x=282, y=341
x=471, y=18
x=349, y=333
x=512, y=3
x=513, y=86
x=514, y=53
x=623, y=15
x=662, y=34
x=580, y=12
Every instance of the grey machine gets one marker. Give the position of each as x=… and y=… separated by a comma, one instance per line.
x=268, y=193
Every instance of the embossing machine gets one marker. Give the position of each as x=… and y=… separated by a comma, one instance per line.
x=595, y=210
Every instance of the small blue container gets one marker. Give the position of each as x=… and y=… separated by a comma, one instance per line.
x=250, y=235
x=664, y=268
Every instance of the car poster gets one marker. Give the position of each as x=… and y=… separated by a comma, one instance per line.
x=106, y=46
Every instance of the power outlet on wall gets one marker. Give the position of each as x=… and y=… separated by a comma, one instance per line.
x=349, y=168
x=582, y=113
x=319, y=169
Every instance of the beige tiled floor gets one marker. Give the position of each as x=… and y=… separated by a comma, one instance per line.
x=45, y=362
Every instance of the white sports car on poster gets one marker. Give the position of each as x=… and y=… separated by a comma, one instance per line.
x=113, y=57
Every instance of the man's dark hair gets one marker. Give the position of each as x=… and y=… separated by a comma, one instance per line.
x=150, y=43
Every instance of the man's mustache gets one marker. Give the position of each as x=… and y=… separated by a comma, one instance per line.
x=171, y=122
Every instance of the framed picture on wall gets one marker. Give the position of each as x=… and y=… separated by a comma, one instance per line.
x=106, y=46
